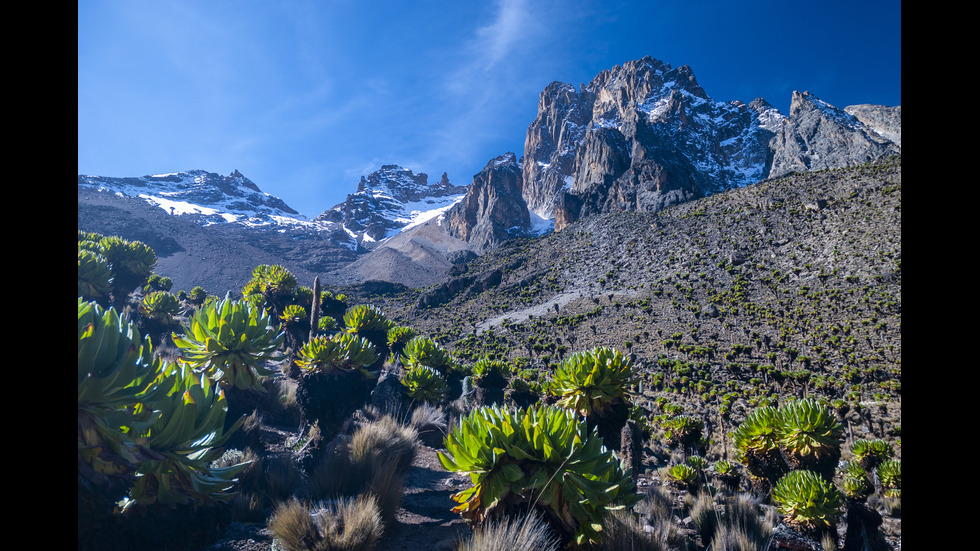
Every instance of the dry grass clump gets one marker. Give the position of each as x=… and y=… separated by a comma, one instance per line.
x=745, y=525
x=652, y=527
x=624, y=531
x=343, y=524
x=530, y=533
x=373, y=460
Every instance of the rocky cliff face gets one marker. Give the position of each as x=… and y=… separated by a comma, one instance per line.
x=818, y=135
x=640, y=136
x=644, y=136
x=493, y=209
x=388, y=200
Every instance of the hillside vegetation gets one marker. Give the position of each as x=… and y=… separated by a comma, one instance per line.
x=705, y=377
x=790, y=286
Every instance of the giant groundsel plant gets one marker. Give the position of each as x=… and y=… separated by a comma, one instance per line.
x=542, y=455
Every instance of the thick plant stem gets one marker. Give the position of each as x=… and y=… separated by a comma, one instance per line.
x=315, y=314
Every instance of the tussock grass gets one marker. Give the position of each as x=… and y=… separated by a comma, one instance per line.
x=428, y=417
x=530, y=533
x=372, y=461
x=703, y=514
x=745, y=525
x=343, y=524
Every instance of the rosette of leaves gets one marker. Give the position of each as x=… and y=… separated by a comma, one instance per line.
x=369, y=322
x=424, y=384
x=157, y=283
x=398, y=337
x=422, y=350
x=160, y=306
x=890, y=475
x=132, y=263
x=756, y=442
x=275, y=283
x=683, y=430
x=810, y=436
x=229, y=341
x=854, y=481
x=293, y=314
x=342, y=352
x=592, y=381
x=807, y=500
x=94, y=275
x=489, y=372
x=116, y=371
x=727, y=472
x=870, y=453
x=197, y=295
x=327, y=323
x=333, y=305
x=186, y=437
x=697, y=462
x=682, y=475
x=541, y=455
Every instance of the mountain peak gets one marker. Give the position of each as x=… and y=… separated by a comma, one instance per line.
x=388, y=200
x=212, y=197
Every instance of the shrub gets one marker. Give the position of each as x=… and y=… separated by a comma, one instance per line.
x=890, y=474
x=186, y=438
x=229, y=341
x=159, y=425
x=807, y=500
x=94, y=275
x=293, y=314
x=592, y=381
x=398, y=337
x=870, y=453
x=490, y=372
x=810, y=436
x=757, y=443
x=682, y=475
x=327, y=323
x=683, y=430
x=424, y=384
x=340, y=353
x=132, y=263
x=366, y=321
x=541, y=455
x=274, y=283
x=854, y=481
x=807, y=428
x=116, y=371
x=422, y=350
x=160, y=306
x=197, y=295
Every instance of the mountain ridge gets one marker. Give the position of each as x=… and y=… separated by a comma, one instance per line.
x=641, y=136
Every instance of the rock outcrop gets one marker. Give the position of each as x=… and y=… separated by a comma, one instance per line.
x=387, y=200
x=817, y=135
x=493, y=209
x=644, y=136
x=641, y=136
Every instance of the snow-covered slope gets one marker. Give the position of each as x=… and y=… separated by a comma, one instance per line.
x=390, y=200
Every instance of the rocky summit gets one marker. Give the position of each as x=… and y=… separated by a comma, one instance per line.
x=493, y=210
x=644, y=135
x=388, y=200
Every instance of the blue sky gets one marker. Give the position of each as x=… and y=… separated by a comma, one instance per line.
x=305, y=96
